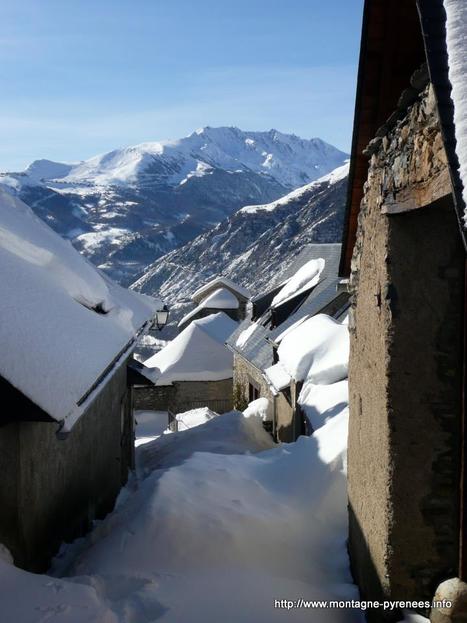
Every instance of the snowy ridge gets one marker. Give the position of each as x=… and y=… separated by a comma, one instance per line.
x=128, y=207
x=285, y=157
x=456, y=27
x=250, y=249
x=331, y=178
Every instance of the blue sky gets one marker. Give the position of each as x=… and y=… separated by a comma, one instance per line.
x=79, y=78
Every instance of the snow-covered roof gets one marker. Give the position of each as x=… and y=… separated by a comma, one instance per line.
x=198, y=353
x=277, y=377
x=318, y=350
x=220, y=282
x=304, y=279
x=221, y=298
x=456, y=28
x=61, y=322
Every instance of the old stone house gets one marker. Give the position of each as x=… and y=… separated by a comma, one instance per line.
x=404, y=254
x=219, y=294
x=254, y=344
x=194, y=370
x=66, y=423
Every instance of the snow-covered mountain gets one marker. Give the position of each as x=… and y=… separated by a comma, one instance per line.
x=254, y=245
x=125, y=208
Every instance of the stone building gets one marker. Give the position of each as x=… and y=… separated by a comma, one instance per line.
x=194, y=370
x=219, y=294
x=66, y=424
x=255, y=342
x=404, y=255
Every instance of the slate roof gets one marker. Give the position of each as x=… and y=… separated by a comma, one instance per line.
x=258, y=349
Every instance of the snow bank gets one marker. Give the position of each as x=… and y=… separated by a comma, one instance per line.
x=258, y=408
x=304, y=279
x=229, y=433
x=149, y=425
x=30, y=598
x=61, y=322
x=194, y=417
x=317, y=349
x=198, y=353
x=214, y=532
x=456, y=26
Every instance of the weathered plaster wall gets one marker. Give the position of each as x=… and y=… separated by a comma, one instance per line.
x=405, y=366
x=55, y=488
x=284, y=419
x=280, y=409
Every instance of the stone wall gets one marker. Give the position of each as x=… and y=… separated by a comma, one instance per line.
x=281, y=410
x=185, y=395
x=245, y=373
x=405, y=366
x=153, y=397
x=217, y=395
x=51, y=489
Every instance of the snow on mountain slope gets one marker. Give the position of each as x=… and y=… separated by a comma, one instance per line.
x=163, y=194
x=289, y=159
x=331, y=178
x=251, y=247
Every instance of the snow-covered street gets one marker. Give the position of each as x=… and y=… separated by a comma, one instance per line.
x=217, y=524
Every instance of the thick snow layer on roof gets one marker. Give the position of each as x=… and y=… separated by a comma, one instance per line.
x=320, y=403
x=305, y=278
x=219, y=299
x=198, y=353
x=61, y=322
x=456, y=26
x=220, y=282
x=317, y=350
x=277, y=376
x=330, y=179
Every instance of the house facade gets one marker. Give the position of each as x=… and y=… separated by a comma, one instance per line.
x=274, y=313
x=66, y=427
x=194, y=370
x=404, y=255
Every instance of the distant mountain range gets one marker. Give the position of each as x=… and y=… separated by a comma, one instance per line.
x=253, y=246
x=126, y=208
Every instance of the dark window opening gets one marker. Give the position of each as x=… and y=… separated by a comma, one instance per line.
x=253, y=392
